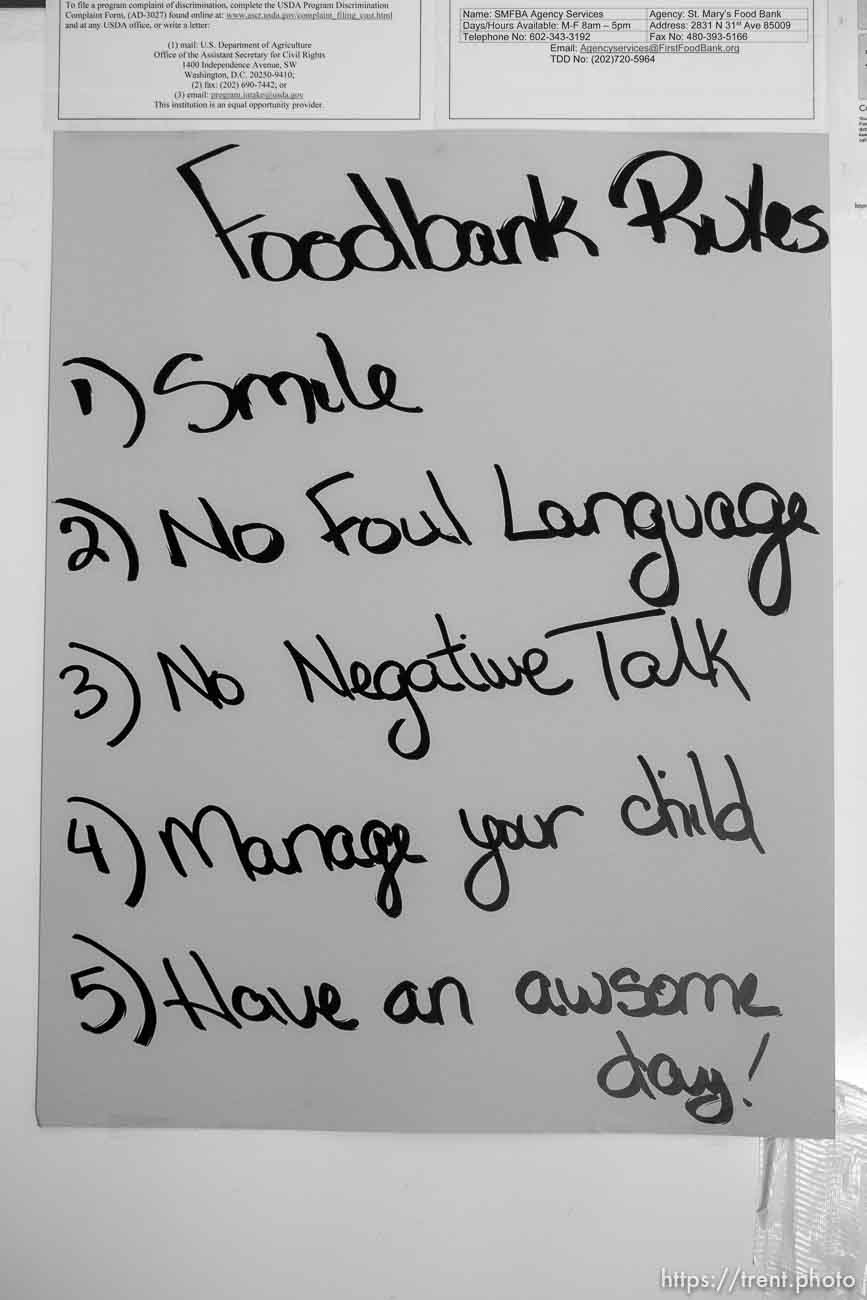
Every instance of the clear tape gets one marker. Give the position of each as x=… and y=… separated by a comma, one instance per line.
x=812, y=1210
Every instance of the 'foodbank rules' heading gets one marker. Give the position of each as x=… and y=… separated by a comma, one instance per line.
x=397, y=237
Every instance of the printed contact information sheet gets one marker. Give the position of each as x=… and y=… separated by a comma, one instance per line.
x=617, y=61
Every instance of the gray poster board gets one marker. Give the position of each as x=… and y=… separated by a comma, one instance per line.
x=438, y=723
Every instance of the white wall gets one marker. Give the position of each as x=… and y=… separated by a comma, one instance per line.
x=114, y=1215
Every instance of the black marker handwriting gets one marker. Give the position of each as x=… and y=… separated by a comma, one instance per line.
x=83, y=985
x=664, y=813
x=498, y=833
x=93, y=845
x=379, y=536
x=258, y=543
x=246, y=1005
x=378, y=844
x=662, y=1074
x=91, y=521
x=630, y=994
x=217, y=687
x=212, y=838
x=642, y=669
x=399, y=238
x=87, y=685
x=334, y=394
x=277, y=255
x=404, y=1006
x=452, y=666
x=759, y=223
x=759, y=510
x=197, y=992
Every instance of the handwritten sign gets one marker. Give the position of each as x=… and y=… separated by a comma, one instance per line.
x=438, y=668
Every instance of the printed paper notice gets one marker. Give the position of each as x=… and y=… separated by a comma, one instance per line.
x=286, y=59
x=732, y=61
x=438, y=639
